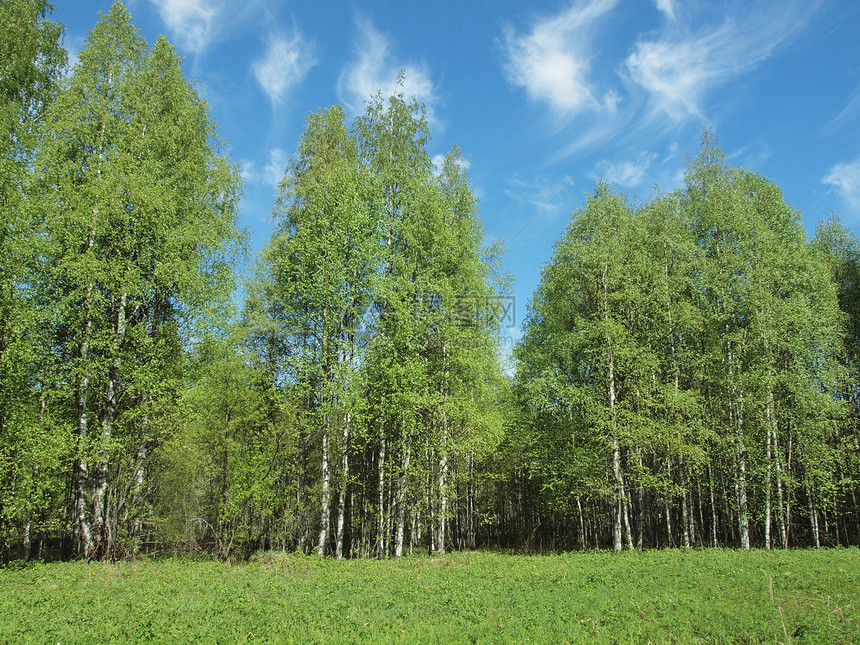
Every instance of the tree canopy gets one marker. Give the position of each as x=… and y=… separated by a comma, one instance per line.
x=688, y=372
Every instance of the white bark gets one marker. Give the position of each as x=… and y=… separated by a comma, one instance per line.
x=101, y=524
x=768, y=493
x=813, y=516
x=740, y=455
x=685, y=512
x=380, y=519
x=581, y=524
x=713, y=507
x=84, y=528
x=401, y=500
x=667, y=509
x=341, y=505
x=443, y=499
x=325, y=496
x=616, y=448
x=443, y=464
x=137, y=490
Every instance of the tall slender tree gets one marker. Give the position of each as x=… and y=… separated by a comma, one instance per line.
x=320, y=266
x=31, y=62
x=376, y=285
x=142, y=218
x=690, y=344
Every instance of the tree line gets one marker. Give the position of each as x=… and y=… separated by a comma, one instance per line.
x=687, y=374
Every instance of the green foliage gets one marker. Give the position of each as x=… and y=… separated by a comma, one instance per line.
x=661, y=596
x=374, y=296
x=32, y=60
x=218, y=471
x=697, y=335
x=688, y=373
x=139, y=208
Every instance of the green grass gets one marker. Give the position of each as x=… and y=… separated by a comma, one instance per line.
x=712, y=596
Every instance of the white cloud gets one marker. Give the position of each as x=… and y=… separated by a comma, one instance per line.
x=543, y=195
x=676, y=75
x=752, y=156
x=552, y=63
x=74, y=45
x=847, y=115
x=845, y=178
x=285, y=64
x=373, y=72
x=269, y=172
x=678, y=69
x=191, y=21
x=439, y=160
x=667, y=7
x=627, y=173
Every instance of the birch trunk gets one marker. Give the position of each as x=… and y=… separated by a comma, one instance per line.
x=743, y=512
x=667, y=509
x=380, y=519
x=81, y=473
x=581, y=524
x=325, y=495
x=616, y=448
x=102, y=526
x=685, y=511
x=813, y=516
x=401, y=500
x=25, y=540
x=699, y=538
x=770, y=447
x=783, y=533
x=443, y=462
x=628, y=527
x=740, y=455
x=713, y=507
x=137, y=493
x=341, y=503
x=616, y=471
x=768, y=493
x=443, y=498
x=472, y=515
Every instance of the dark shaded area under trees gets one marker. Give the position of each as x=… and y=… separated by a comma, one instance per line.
x=688, y=374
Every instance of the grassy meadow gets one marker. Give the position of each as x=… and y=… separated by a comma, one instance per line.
x=692, y=596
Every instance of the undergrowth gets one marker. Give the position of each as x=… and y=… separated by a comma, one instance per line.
x=672, y=596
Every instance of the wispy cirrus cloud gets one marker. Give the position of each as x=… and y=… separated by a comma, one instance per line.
x=664, y=79
x=552, y=62
x=845, y=178
x=667, y=7
x=268, y=171
x=679, y=66
x=285, y=64
x=192, y=22
x=628, y=173
x=543, y=195
x=438, y=162
x=373, y=71
x=74, y=45
x=847, y=115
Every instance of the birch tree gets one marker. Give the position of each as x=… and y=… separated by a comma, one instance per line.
x=320, y=264
x=579, y=315
x=769, y=364
x=142, y=217
x=31, y=62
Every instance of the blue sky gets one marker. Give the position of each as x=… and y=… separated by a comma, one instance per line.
x=541, y=98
